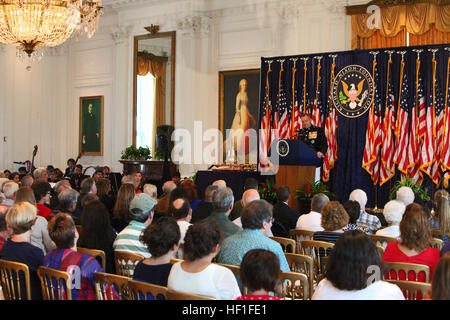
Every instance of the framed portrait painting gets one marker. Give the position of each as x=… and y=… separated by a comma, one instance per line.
x=238, y=109
x=91, y=126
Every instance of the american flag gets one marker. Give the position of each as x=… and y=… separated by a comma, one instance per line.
x=264, y=135
x=438, y=134
x=295, y=112
x=402, y=125
x=283, y=107
x=415, y=139
x=371, y=159
x=317, y=106
x=446, y=134
x=387, y=170
x=330, y=132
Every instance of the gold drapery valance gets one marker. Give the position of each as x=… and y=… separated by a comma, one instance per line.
x=416, y=19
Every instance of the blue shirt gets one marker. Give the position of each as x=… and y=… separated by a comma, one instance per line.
x=237, y=245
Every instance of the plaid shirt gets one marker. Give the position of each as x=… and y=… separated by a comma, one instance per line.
x=369, y=220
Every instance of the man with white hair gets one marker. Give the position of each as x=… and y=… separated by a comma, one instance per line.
x=9, y=190
x=151, y=190
x=40, y=174
x=365, y=219
x=220, y=183
x=406, y=195
x=393, y=212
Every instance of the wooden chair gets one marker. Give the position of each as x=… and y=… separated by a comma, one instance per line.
x=56, y=284
x=108, y=286
x=175, y=260
x=303, y=264
x=437, y=233
x=286, y=244
x=411, y=289
x=126, y=262
x=382, y=240
x=406, y=268
x=299, y=235
x=380, y=250
x=146, y=291
x=437, y=243
x=317, y=250
x=176, y=295
x=95, y=253
x=295, y=285
x=10, y=279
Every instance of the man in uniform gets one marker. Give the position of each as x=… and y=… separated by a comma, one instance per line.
x=313, y=136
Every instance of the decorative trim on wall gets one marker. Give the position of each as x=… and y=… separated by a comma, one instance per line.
x=195, y=26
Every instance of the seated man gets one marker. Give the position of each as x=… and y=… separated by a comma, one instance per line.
x=141, y=213
x=40, y=174
x=9, y=190
x=256, y=219
x=248, y=196
x=313, y=220
x=27, y=181
x=222, y=201
x=220, y=183
x=205, y=207
x=67, y=203
x=151, y=190
x=284, y=216
x=365, y=219
x=182, y=212
x=250, y=183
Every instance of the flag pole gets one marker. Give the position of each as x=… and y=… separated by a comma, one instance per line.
x=294, y=70
x=305, y=68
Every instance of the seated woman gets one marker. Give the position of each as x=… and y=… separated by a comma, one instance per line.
x=260, y=271
x=98, y=232
x=39, y=233
x=192, y=194
x=440, y=289
x=197, y=274
x=393, y=212
x=42, y=191
x=121, y=212
x=415, y=233
x=104, y=194
x=441, y=217
x=162, y=239
x=353, y=210
x=63, y=232
x=20, y=218
x=347, y=276
x=334, y=219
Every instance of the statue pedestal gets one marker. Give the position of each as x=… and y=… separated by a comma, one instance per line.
x=151, y=169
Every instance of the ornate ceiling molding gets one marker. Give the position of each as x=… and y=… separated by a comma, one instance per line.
x=121, y=34
x=195, y=25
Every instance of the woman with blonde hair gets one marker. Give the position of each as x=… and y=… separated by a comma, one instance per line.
x=441, y=217
x=334, y=219
x=39, y=232
x=121, y=212
x=20, y=218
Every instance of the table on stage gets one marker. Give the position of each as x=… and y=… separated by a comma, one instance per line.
x=235, y=179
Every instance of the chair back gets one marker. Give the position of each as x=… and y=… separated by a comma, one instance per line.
x=299, y=235
x=380, y=250
x=303, y=264
x=405, y=268
x=317, y=250
x=146, y=291
x=111, y=286
x=175, y=260
x=176, y=295
x=382, y=240
x=98, y=254
x=287, y=244
x=126, y=262
x=56, y=284
x=437, y=243
x=295, y=285
x=411, y=289
x=13, y=285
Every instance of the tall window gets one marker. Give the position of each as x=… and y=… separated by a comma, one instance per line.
x=145, y=110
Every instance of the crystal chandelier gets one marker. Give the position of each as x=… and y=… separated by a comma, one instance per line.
x=32, y=24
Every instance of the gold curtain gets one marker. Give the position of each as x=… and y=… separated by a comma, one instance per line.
x=149, y=63
x=428, y=20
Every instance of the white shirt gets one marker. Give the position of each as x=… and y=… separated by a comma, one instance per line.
x=311, y=221
x=40, y=237
x=184, y=226
x=379, y=290
x=214, y=281
x=391, y=231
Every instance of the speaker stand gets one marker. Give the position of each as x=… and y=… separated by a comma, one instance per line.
x=166, y=171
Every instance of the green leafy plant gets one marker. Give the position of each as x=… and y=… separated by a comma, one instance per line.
x=133, y=153
x=161, y=155
x=420, y=191
x=267, y=190
x=311, y=189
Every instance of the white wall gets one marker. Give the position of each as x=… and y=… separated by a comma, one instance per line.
x=41, y=106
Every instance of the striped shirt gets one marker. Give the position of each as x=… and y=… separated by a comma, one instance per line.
x=128, y=240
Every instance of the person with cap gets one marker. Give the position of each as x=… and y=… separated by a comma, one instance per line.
x=141, y=214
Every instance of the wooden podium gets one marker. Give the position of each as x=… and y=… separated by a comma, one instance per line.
x=151, y=169
x=297, y=165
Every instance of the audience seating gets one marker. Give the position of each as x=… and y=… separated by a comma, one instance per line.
x=382, y=240
x=109, y=286
x=56, y=284
x=299, y=235
x=410, y=289
x=176, y=295
x=286, y=243
x=11, y=282
x=295, y=285
x=437, y=243
x=317, y=250
x=406, y=267
x=303, y=264
x=95, y=253
x=140, y=290
x=126, y=262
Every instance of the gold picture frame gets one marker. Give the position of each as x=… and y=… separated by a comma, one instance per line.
x=90, y=142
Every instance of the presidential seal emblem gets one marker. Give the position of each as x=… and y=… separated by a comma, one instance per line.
x=283, y=148
x=352, y=91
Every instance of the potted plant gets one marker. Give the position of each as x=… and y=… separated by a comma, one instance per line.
x=133, y=153
x=267, y=191
x=418, y=190
x=305, y=194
